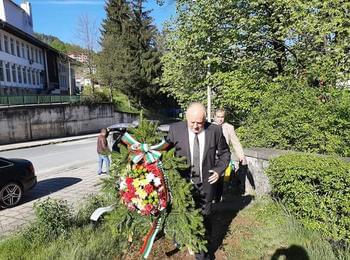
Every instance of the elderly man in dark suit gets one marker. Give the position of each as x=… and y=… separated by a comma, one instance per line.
x=206, y=150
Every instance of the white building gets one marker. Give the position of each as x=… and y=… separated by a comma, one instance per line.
x=78, y=56
x=28, y=65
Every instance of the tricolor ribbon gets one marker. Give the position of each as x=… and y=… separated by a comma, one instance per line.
x=141, y=151
x=150, y=237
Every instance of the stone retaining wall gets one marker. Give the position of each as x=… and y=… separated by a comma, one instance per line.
x=28, y=123
x=258, y=161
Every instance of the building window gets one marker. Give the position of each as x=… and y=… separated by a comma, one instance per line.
x=19, y=74
x=2, y=77
x=24, y=70
x=40, y=57
x=0, y=42
x=6, y=43
x=37, y=78
x=23, y=51
x=8, y=72
x=32, y=53
x=36, y=56
x=28, y=53
x=12, y=43
x=33, y=77
x=18, y=49
x=14, y=74
x=42, y=77
x=29, y=77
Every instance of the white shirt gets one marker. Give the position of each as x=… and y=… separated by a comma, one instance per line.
x=201, y=139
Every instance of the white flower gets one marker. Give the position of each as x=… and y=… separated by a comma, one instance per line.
x=157, y=182
x=150, y=177
x=123, y=184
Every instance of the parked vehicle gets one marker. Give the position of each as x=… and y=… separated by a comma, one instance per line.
x=116, y=131
x=16, y=177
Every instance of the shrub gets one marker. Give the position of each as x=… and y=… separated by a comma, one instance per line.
x=54, y=217
x=316, y=189
x=293, y=116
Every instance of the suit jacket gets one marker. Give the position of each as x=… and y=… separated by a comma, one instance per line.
x=232, y=139
x=216, y=154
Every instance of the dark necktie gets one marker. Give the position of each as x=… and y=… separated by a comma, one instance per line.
x=196, y=161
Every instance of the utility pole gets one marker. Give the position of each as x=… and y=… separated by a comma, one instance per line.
x=208, y=89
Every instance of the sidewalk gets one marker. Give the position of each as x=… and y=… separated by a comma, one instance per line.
x=8, y=147
x=74, y=186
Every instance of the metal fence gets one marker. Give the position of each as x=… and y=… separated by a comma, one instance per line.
x=33, y=99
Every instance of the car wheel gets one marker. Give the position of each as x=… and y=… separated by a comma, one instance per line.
x=10, y=195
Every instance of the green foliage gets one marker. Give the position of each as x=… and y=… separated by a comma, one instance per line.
x=316, y=190
x=78, y=240
x=129, y=60
x=267, y=39
x=82, y=216
x=183, y=222
x=295, y=117
x=54, y=217
x=58, y=44
x=96, y=96
x=260, y=58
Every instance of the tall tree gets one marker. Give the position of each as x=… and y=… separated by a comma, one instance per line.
x=136, y=70
x=248, y=44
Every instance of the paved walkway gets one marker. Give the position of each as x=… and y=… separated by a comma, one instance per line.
x=9, y=147
x=72, y=185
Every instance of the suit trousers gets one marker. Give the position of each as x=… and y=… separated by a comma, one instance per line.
x=204, y=203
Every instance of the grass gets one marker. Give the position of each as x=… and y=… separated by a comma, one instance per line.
x=264, y=230
x=80, y=243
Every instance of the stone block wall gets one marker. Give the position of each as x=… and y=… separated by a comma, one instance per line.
x=258, y=161
x=28, y=123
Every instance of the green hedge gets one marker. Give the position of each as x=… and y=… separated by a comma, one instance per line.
x=316, y=189
x=296, y=117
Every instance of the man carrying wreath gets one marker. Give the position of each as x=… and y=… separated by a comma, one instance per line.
x=206, y=150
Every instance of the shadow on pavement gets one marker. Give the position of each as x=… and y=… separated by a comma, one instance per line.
x=224, y=213
x=48, y=186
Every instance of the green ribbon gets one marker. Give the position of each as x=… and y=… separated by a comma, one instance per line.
x=144, y=151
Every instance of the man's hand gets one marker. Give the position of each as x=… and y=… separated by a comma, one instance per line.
x=243, y=161
x=213, y=177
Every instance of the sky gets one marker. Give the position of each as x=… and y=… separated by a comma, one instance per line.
x=60, y=17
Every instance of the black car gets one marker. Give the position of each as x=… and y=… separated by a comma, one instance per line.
x=16, y=177
x=116, y=131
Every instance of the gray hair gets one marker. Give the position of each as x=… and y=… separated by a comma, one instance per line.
x=197, y=106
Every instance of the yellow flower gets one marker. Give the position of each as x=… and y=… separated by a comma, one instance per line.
x=141, y=193
x=144, y=182
x=136, y=183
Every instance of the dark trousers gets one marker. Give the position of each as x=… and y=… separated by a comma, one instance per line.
x=203, y=202
x=219, y=189
x=242, y=175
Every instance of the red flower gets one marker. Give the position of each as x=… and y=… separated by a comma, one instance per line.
x=153, y=168
x=148, y=208
x=148, y=188
x=129, y=181
x=132, y=190
x=127, y=196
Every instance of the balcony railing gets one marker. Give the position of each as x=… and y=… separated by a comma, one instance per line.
x=33, y=99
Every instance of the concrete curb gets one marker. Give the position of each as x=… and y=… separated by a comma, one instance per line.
x=17, y=146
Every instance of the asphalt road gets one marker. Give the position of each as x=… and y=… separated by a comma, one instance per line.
x=57, y=157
